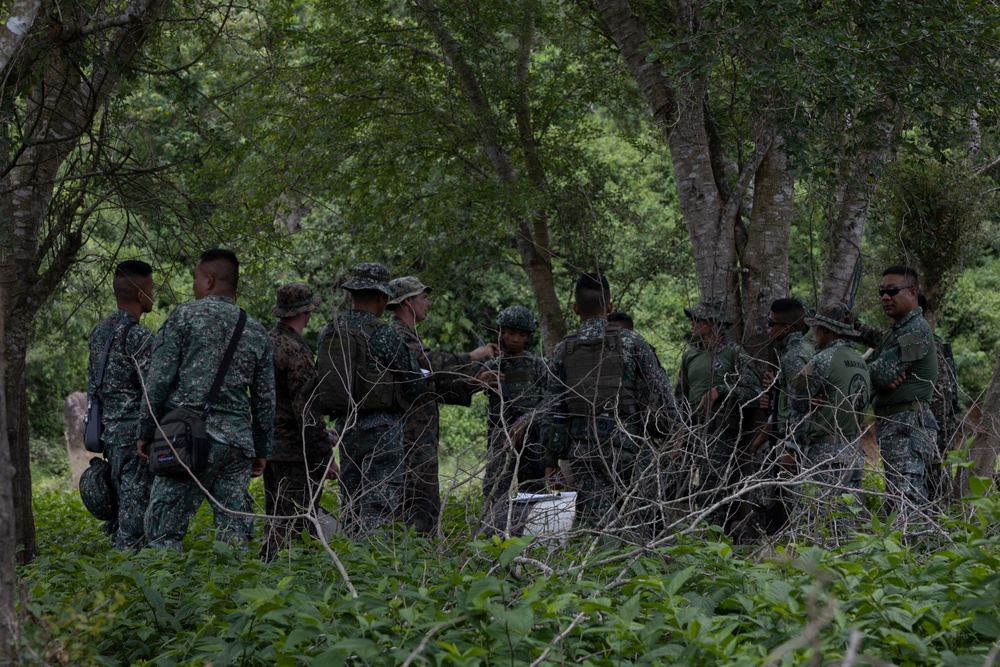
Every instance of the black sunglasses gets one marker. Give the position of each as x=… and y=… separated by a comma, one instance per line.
x=894, y=290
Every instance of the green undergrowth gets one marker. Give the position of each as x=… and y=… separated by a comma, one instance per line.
x=699, y=601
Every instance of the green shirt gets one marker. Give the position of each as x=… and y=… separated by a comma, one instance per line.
x=832, y=391
x=908, y=346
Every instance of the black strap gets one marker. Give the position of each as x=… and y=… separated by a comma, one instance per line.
x=107, y=350
x=227, y=359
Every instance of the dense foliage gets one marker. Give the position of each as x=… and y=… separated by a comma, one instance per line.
x=699, y=601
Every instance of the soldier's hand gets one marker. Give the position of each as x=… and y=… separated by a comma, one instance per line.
x=333, y=470
x=765, y=401
x=489, y=378
x=895, y=383
x=485, y=352
x=143, y=447
x=709, y=399
x=760, y=439
x=257, y=467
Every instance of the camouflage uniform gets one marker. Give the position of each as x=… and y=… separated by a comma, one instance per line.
x=834, y=390
x=122, y=401
x=712, y=455
x=371, y=441
x=605, y=451
x=793, y=354
x=447, y=383
x=186, y=357
x=907, y=430
x=293, y=479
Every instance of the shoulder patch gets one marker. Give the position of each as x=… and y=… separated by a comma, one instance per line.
x=911, y=347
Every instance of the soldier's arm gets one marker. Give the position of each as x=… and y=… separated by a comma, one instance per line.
x=140, y=347
x=300, y=380
x=163, y=369
x=747, y=388
x=389, y=349
x=895, y=360
x=660, y=400
x=868, y=334
x=262, y=403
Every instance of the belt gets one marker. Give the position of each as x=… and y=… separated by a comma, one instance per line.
x=896, y=408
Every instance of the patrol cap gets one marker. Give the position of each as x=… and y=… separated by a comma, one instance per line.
x=96, y=492
x=709, y=308
x=405, y=287
x=836, y=317
x=517, y=317
x=292, y=299
x=369, y=276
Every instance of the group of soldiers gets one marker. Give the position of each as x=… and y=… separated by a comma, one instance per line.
x=602, y=406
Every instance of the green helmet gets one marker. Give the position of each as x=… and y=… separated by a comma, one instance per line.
x=97, y=492
x=517, y=317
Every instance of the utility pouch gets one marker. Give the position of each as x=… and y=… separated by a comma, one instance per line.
x=93, y=425
x=376, y=392
x=181, y=443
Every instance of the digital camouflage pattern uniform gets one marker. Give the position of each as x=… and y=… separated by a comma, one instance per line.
x=517, y=397
x=446, y=383
x=793, y=354
x=713, y=460
x=906, y=428
x=833, y=393
x=944, y=406
x=372, y=468
x=293, y=479
x=122, y=401
x=186, y=357
x=605, y=450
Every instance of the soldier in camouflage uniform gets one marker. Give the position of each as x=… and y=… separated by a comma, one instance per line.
x=904, y=371
x=717, y=382
x=515, y=382
x=122, y=396
x=786, y=331
x=372, y=458
x=944, y=405
x=833, y=391
x=448, y=382
x=186, y=357
x=607, y=398
x=293, y=478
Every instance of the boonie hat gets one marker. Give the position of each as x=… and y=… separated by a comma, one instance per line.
x=836, y=317
x=292, y=299
x=96, y=491
x=517, y=317
x=370, y=275
x=405, y=287
x=710, y=308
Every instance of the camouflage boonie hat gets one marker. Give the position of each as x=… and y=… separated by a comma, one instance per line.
x=96, y=491
x=711, y=308
x=517, y=317
x=405, y=287
x=370, y=275
x=836, y=317
x=293, y=299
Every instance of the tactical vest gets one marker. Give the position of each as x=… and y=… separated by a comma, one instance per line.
x=595, y=378
x=344, y=380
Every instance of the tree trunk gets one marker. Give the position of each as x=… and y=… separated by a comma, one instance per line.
x=765, y=256
x=986, y=444
x=8, y=533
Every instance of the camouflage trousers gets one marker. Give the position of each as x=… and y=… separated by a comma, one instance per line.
x=173, y=501
x=132, y=480
x=908, y=444
x=604, y=478
x=711, y=466
x=371, y=478
x=290, y=488
x=421, y=486
x=506, y=462
x=833, y=469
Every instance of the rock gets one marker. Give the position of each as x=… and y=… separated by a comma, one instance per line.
x=73, y=413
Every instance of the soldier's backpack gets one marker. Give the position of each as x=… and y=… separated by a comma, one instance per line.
x=344, y=381
x=595, y=382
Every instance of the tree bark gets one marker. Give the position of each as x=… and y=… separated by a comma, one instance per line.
x=986, y=444
x=8, y=532
x=765, y=257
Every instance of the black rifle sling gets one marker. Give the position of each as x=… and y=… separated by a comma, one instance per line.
x=107, y=351
x=226, y=360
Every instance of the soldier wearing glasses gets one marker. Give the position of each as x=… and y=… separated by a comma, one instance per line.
x=904, y=370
